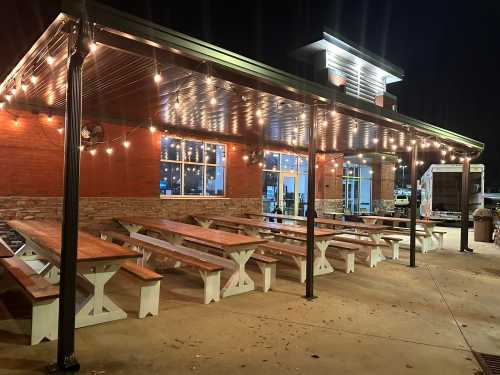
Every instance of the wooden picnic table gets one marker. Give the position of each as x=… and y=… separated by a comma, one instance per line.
x=4, y=250
x=299, y=219
x=239, y=248
x=97, y=262
x=254, y=227
x=427, y=242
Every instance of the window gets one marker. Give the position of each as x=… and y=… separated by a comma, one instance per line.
x=191, y=168
x=284, y=183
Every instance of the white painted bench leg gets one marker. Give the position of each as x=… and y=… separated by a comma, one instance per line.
x=372, y=257
x=44, y=321
x=150, y=299
x=349, y=257
x=212, y=286
x=301, y=263
x=439, y=239
x=321, y=265
x=395, y=250
x=269, y=275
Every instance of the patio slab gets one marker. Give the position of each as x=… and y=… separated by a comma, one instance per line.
x=388, y=320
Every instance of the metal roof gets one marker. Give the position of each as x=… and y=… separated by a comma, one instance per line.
x=245, y=98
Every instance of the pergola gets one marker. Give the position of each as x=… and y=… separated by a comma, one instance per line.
x=103, y=65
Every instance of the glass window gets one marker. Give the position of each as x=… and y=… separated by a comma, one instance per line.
x=303, y=165
x=270, y=191
x=215, y=180
x=170, y=178
x=193, y=151
x=189, y=167
x=193, y=179
x=215, y=154
x=171, y=149
x=271, y=160
x=288, y=163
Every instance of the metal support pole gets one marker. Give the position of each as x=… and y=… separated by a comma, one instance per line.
x=66, y=358
x=311, y=197
x=413, y=205
x=464, y=232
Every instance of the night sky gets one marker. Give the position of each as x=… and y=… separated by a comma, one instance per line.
x=449, y=50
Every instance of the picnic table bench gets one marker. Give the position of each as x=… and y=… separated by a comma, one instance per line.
x=97, y=262
x=266, y=264
x=237, y=247
x=424, y=237
x=255, y=228
x=4, y=250
x=43, y=296
x=209, y=269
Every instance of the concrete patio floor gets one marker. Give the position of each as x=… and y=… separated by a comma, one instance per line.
x=388, y=320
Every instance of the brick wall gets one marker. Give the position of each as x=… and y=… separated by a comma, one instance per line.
x=383, y=186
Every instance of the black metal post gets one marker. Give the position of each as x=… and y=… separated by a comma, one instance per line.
x=66, y=358
x=413, y=205
x=464, y=232
x=311, y=197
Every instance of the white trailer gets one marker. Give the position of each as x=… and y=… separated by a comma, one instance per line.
x=441, y=190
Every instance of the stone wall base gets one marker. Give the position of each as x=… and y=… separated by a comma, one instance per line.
x=329, y=205
x=100, y=210
x=383, y=205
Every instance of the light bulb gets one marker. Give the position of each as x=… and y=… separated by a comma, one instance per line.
x=413, y=141
x=93, y=47
x=461, y=160
x=443, y=152
x=126, y=144
x=34, y=79
x=453, y=157
x=394, y=168
x=437, y=144
x=93, y=152
x=360, y=156
x=50, y=60
x=152, y=129
x=157, y=77
x=213, y=101
x=60, y=130
x=109, y=151
x=408, y=148
x=450, y=148
x=375, y=140
x=400, y=160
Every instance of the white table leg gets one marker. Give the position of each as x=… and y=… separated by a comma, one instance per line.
x=321, y=264
x=251, y=231
x=132, y=228
x=239, y=282
x=377, y=238
x=204, y=223
x=98, y=308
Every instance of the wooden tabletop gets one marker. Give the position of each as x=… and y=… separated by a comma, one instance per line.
x=4, y=250
x=47, y=235
x=279, y=216
x=353, y=225
x=213, y=236
x=400, y=219
x=255, y=223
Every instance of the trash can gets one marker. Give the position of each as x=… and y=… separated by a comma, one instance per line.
x=483, y=225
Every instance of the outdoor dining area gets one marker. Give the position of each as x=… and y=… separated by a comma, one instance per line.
x=137, y=150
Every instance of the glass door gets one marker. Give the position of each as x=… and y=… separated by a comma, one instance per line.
x=288, y=193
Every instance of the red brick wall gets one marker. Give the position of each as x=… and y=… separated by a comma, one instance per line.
x=383, y=181
x=31, y=156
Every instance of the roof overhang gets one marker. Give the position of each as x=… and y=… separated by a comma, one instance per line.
x=283, y=96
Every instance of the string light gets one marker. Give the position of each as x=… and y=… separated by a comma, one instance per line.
x=394, y=147
x=391, y=139
x=375, y=140
x=408, y=148
x=50, y=60
x=157, y=77
x=60, y=130
x=24, y=87
x=93, y=152
x=213, y=101
x=109, y=151
x=93, y=46
x=152, y=129
x=34, y=79
x=126, y=143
